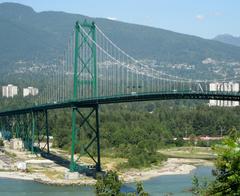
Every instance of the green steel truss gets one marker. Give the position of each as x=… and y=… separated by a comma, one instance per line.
x=82, y=84
x=31, y=127
x=86, y=126
x=85, y=82
x=85, y=61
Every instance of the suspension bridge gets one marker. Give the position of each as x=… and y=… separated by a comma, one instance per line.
x=95, y=71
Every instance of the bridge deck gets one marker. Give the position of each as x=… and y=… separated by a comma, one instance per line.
x=128, y=98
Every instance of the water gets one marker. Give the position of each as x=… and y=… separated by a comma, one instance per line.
x=9, y=187
x=175, y=184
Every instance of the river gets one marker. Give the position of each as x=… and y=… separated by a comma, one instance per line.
x=174, y=184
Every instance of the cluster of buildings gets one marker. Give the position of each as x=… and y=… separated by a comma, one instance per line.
x=11, y=91
x=224, y=87
x=30, y=91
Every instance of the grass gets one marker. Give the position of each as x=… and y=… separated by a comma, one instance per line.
x=53, y=174
x=108, y=161
x=189, y=152
x=30, y=170
x=6, y=170
x=10, y=154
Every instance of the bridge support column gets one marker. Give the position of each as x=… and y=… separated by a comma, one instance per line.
x=10, y=125
x=33, y=129
x=73, y=163
x=33, y=132
x=90, y=123
x=98, y=164
x=85, y=87
x=17, y=127
x=42, y=132
x=27, y=130
x=47, y=131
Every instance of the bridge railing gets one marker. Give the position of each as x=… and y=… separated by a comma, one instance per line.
x=94, y=67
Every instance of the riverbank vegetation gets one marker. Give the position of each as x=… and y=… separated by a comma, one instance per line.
x=226, y=172
x=189, y=152
x=110, y=184
x=136, y=131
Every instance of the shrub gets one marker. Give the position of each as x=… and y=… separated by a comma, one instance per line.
x=1, y=143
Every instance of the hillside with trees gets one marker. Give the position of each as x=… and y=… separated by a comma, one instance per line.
x=142, y=129
x=42, y=37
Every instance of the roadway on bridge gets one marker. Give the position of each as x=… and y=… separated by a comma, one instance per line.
x=127, y=98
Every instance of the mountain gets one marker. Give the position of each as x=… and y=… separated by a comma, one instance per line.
x=228, y=39
x=28, y=35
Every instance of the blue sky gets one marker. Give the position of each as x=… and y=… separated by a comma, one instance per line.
x=205, y=18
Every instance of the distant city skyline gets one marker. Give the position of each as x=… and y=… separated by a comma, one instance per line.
x=205, y=18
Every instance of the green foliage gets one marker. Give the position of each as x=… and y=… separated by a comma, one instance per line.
x=227, y=168
x=1, y=143
x=130, y=131
x=47, y=33
x=227, y=172
x=199, y=186
x=110, y=185
x=140, y=190
x=144, y=154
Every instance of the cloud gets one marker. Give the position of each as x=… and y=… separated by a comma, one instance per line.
x=111, y=18
x=200, y=17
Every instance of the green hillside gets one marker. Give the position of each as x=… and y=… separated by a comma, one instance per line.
x=28, y=35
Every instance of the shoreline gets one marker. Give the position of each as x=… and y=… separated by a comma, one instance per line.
x=40, y=178
x=173, y=166
x=16, y=175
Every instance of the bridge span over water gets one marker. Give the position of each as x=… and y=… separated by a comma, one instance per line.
x=94, y=71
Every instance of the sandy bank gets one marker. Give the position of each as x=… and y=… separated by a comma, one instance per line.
x=38, y=177
x=17, y=175
x=173, y=166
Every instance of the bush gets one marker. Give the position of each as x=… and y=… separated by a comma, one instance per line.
x=145, y=154
x=227, y=169
x=227, y=173
x=110, y=185
x=1, y=143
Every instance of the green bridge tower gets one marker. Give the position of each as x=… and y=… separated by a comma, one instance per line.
x=85, y=84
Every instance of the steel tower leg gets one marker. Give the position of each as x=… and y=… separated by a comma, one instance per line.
x=98, y=164
x=33, y=132
x=89, y=88
x=73, y=164
x=17, y=126
x=47, y=130
x=85, y=121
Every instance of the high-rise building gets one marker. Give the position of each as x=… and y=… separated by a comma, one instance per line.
x=224, y=87
x=30, y=91
x=9, y=90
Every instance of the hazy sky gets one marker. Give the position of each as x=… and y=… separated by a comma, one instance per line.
x=205, y=18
